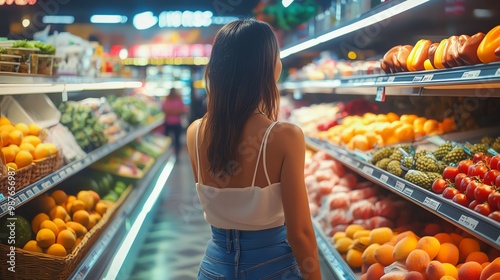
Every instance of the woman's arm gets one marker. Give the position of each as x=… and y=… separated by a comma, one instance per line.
x=299, y=227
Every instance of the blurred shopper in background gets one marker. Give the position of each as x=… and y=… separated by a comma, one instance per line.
x=174, y=108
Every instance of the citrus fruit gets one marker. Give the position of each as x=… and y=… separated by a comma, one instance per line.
x=33, y=140
x=45, y=237
x=32, y=246
x=4, y=121
x=41, y=151
x=27, y=147
x=23, y=128
x=16, y=137
x=57, y=250
x=8, y=154
x=34, y=129
x=11, y=166
x=23, y=158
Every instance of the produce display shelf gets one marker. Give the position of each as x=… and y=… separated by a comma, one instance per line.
x=472, y=222
x=335, y=262
x=12, y=84
x=95, y=261
x=30, y=192
x=485, y=76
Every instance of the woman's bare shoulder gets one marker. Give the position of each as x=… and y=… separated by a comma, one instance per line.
x=287, y=131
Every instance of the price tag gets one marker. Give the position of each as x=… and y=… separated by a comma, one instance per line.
x=427, y=78
x=367, y=170
x=18, y=201
x=468, y=222
x=384, y=178
x=46, y=184
x=30, y=193
x=431, y=203
x=471, y=74
x=391, y=79
x=35, y=189
x=23, y=197
x=380, y=95
x=400, y=186
x=55, y=178
x=408, y=192
x=497, y=73
x=380, y=79
x=417, y=79
x=69, y=170
x=4, y=208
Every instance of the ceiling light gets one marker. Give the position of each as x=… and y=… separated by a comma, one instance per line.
x=144, y=20
x=123, y=54
x=58, y=19
x=108, y=19
x=381, y=16
x=26, y=22
x=286, y=3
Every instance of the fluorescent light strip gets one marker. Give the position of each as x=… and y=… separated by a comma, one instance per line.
x=286, y=3
x=108, y=19
x=122, y=252
x=383, y=15
x=58, y=19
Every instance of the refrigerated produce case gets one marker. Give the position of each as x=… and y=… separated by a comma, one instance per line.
x=389, y=24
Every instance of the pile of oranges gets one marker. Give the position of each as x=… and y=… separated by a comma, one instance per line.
x=63, y=220
x=374, y=130
x=21, y=144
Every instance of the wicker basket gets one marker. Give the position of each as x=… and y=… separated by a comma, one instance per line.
x=22, y=179
x=32, y=265
x=43, y=167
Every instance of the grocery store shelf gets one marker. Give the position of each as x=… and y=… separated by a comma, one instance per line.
x=455, y=80
x=11, y=84
x=480, y=226
x=126, y=221
x=28, y=193
x=336, y=264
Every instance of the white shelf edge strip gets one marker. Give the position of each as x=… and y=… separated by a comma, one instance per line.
x=122, y=252
x=376, y=18
x=6, y=89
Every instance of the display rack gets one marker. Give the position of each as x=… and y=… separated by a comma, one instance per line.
x=476, y=224
x=30, y=192
x=15, y=84
x=484, y=76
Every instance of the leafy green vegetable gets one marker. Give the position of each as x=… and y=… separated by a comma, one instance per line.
x=45, y=48
x=23, y=44
x=3, y=51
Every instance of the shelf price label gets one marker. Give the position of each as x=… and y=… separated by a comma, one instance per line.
x=46, y=184
x=384, y=178
x=30, y=193
x=471, y=74
x=35, y=189
x=408, y=192
x=417, y=79
x=23, y=197
x=380, y=94
x=497, y=73
x=391, y=79
x=427, y=78
x=400, y=186
x=468, y=222
x=431, y=203
x=367, y=170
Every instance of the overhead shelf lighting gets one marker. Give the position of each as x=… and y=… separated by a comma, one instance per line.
x=58, y=19
x=145, y=20
x=373, y=19
x=108, y=19
x=286, y=3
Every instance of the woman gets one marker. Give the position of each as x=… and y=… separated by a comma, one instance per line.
x=245, y=199
x=174, y=108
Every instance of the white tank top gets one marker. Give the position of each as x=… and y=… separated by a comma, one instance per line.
x=248, y=208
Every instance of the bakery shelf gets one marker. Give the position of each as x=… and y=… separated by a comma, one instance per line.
x=476, y=224
x=145, y=192
x=449, y=82
x=30, y=192
x=13, y=84
x=335, y=262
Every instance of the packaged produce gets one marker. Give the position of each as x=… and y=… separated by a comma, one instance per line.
x=134, y=109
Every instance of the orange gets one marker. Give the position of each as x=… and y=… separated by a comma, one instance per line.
x=448, y=125
x=59, y=197
x=11, y=166
x=7, y=127
x=405, y=133
x=34, y=129
x=23, y=158
x=45, y=237
x=23, y=128
x=391, y=117
x=37, y=221
x=28, y=147
x=467, y=246
x=8, y=155
x=444, y=237
x=15, y=148
x=360, y=142
x=408, y=119
x=41, y=151
x=450, y=270
x=33, y=247
x=4, y=138
x=4, y=121
x=448, y=253
x=57, y=250
x=52, y=148
x=33, y=140
x=16, y=137
x=430, y=126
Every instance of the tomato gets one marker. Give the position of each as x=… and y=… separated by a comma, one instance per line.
x=494, y=199
x=463, y=165
x=439, y=185
x=495, y=215
x=494, y=161
x=497, y=180
x=473, y=204
x=477, y=157
x=450, y=172
x=461, y=199
x=482, y=192
x=478, y=169
x=483, y=209
x=490, y=176
x=450, y=192
x=458, y=180
x=471, y=187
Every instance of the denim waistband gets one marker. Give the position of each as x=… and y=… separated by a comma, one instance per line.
x=247, y=239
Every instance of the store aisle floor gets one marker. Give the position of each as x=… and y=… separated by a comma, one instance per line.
x=176, y=242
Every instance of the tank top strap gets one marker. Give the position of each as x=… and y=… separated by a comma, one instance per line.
x=198, y=167
x=263, y=147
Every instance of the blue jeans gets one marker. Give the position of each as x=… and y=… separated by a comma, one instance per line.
x=249, y=255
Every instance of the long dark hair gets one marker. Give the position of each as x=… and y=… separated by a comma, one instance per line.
x=239, y=77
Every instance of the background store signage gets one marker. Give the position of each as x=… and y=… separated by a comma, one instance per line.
x=185, y=19
x=169, y=50
x=17, y=2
